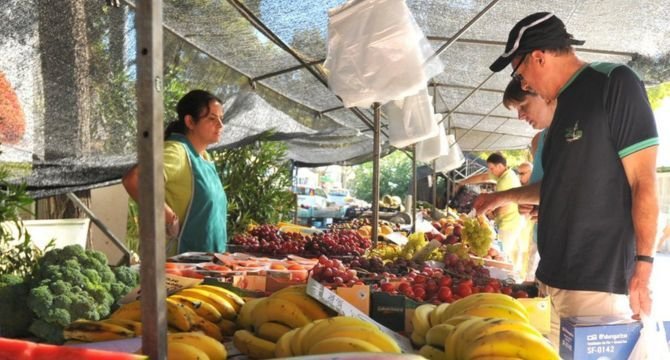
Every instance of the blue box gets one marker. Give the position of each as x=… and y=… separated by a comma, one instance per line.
x=600, y=337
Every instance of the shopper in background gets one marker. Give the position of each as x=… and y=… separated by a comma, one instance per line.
x=598, y=208
x=538, y=113
x=195, y=202
x=524, y=170
x=509, y=223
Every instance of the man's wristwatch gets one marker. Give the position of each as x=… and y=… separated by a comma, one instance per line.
x=645, y=258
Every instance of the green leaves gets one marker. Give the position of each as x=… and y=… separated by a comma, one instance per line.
x=257, y=179
x=395, y=174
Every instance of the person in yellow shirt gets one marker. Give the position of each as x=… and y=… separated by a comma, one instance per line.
x=509, y=222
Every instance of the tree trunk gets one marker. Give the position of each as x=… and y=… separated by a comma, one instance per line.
x=65, y=58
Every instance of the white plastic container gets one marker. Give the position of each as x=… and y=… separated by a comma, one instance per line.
x=63, y=231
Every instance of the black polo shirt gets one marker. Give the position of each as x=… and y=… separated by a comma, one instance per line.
x=586, y=238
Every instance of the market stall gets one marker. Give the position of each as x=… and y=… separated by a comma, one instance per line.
x=447, y=262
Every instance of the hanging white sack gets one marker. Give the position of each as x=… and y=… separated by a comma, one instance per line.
x=651, y=345
x=410, y=120
x=453, y=160
x=430, y=149
x=377, y=53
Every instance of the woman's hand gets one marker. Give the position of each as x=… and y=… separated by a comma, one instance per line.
x=171, y=222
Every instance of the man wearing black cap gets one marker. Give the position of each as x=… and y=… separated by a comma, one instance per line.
x=597, y=217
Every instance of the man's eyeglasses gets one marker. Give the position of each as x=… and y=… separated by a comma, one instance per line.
x=514, y=75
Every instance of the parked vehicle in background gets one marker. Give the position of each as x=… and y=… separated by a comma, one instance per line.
x=340, y=197
x=314, y=208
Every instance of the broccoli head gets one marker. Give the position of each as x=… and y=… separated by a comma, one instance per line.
x=15, y=316
x=52, y=333
x=72, y=283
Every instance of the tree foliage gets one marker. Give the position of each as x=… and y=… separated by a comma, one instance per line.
x=395, y=174
x=257, y=178
x=657, y=94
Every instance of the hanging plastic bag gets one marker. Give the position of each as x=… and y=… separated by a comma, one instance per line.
x=453, y=160
x=651, y=345
x=411, y=120
x=377, y=53
x=430, y=149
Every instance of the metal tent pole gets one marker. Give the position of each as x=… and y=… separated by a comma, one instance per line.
x=149, y=25
x=434, y=190
x=105, y=230
x=414, y=182
x=375, y=173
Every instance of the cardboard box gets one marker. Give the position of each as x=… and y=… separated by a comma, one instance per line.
x=600, y=337
x=393, y=311
x=539, y=313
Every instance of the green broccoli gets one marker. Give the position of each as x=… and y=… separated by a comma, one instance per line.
x=15, y=317
x=70, y=284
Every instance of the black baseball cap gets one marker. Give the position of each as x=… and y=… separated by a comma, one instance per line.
x=539, y=31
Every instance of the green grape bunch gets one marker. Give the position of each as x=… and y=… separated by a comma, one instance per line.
x=478, y=235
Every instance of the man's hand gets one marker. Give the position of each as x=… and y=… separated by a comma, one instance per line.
x=488, y=201
x=639, y=293
x=529, y=210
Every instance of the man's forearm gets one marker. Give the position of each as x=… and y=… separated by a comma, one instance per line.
x=645, y=216
x=528, y=194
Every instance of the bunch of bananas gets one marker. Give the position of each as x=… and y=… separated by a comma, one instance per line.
x=262, y=322
x=200, y=315
x=335, y=335
x=483, y=325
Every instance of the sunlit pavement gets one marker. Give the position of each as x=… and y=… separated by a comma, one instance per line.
x=661, y=285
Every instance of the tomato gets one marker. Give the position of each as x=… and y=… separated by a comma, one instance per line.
x=506, y=290
x=387, y=287
x=446, y=281
x=444, y=294
x=520, y=294
x=419, y=293
x=463, y=290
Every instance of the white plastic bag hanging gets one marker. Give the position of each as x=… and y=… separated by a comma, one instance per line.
x=377, y=53
x=430, y=149
x=411, y=120
x=453, y=160
x=651, y=345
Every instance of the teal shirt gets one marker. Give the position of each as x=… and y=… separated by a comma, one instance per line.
x=538, y=170
x=203, y=227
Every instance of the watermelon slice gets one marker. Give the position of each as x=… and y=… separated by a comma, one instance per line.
x=13, y=349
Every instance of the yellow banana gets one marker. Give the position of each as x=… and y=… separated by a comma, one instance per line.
x=451, y=343
x=278, y=310
x=93, y=331
x=272, y=331
x=468, y=333
x=438, y=334
x=202, y=308
x=327, y=325
x=298, y=344
x=418, y=339
x=341, y=345
x=283, y=346
x=476, y=300
x=420, y=319
x=134, y=326
x=435, y=316
x=432, y=353
x=227, y=327
x=374, y=337
x=233, y=298
x=244, y=319
x=456, y=320
x=182, y=351
x=225, y=308
x=511, y=344
x=497, y=311
x=130, y=311
x=253, y=346
x=179, y=315
x=491, y=326
x=296, y=288
x=308, y=305
x=214, y=349
x=209, y=328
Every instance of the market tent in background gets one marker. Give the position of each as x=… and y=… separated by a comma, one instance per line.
x=75, y=85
